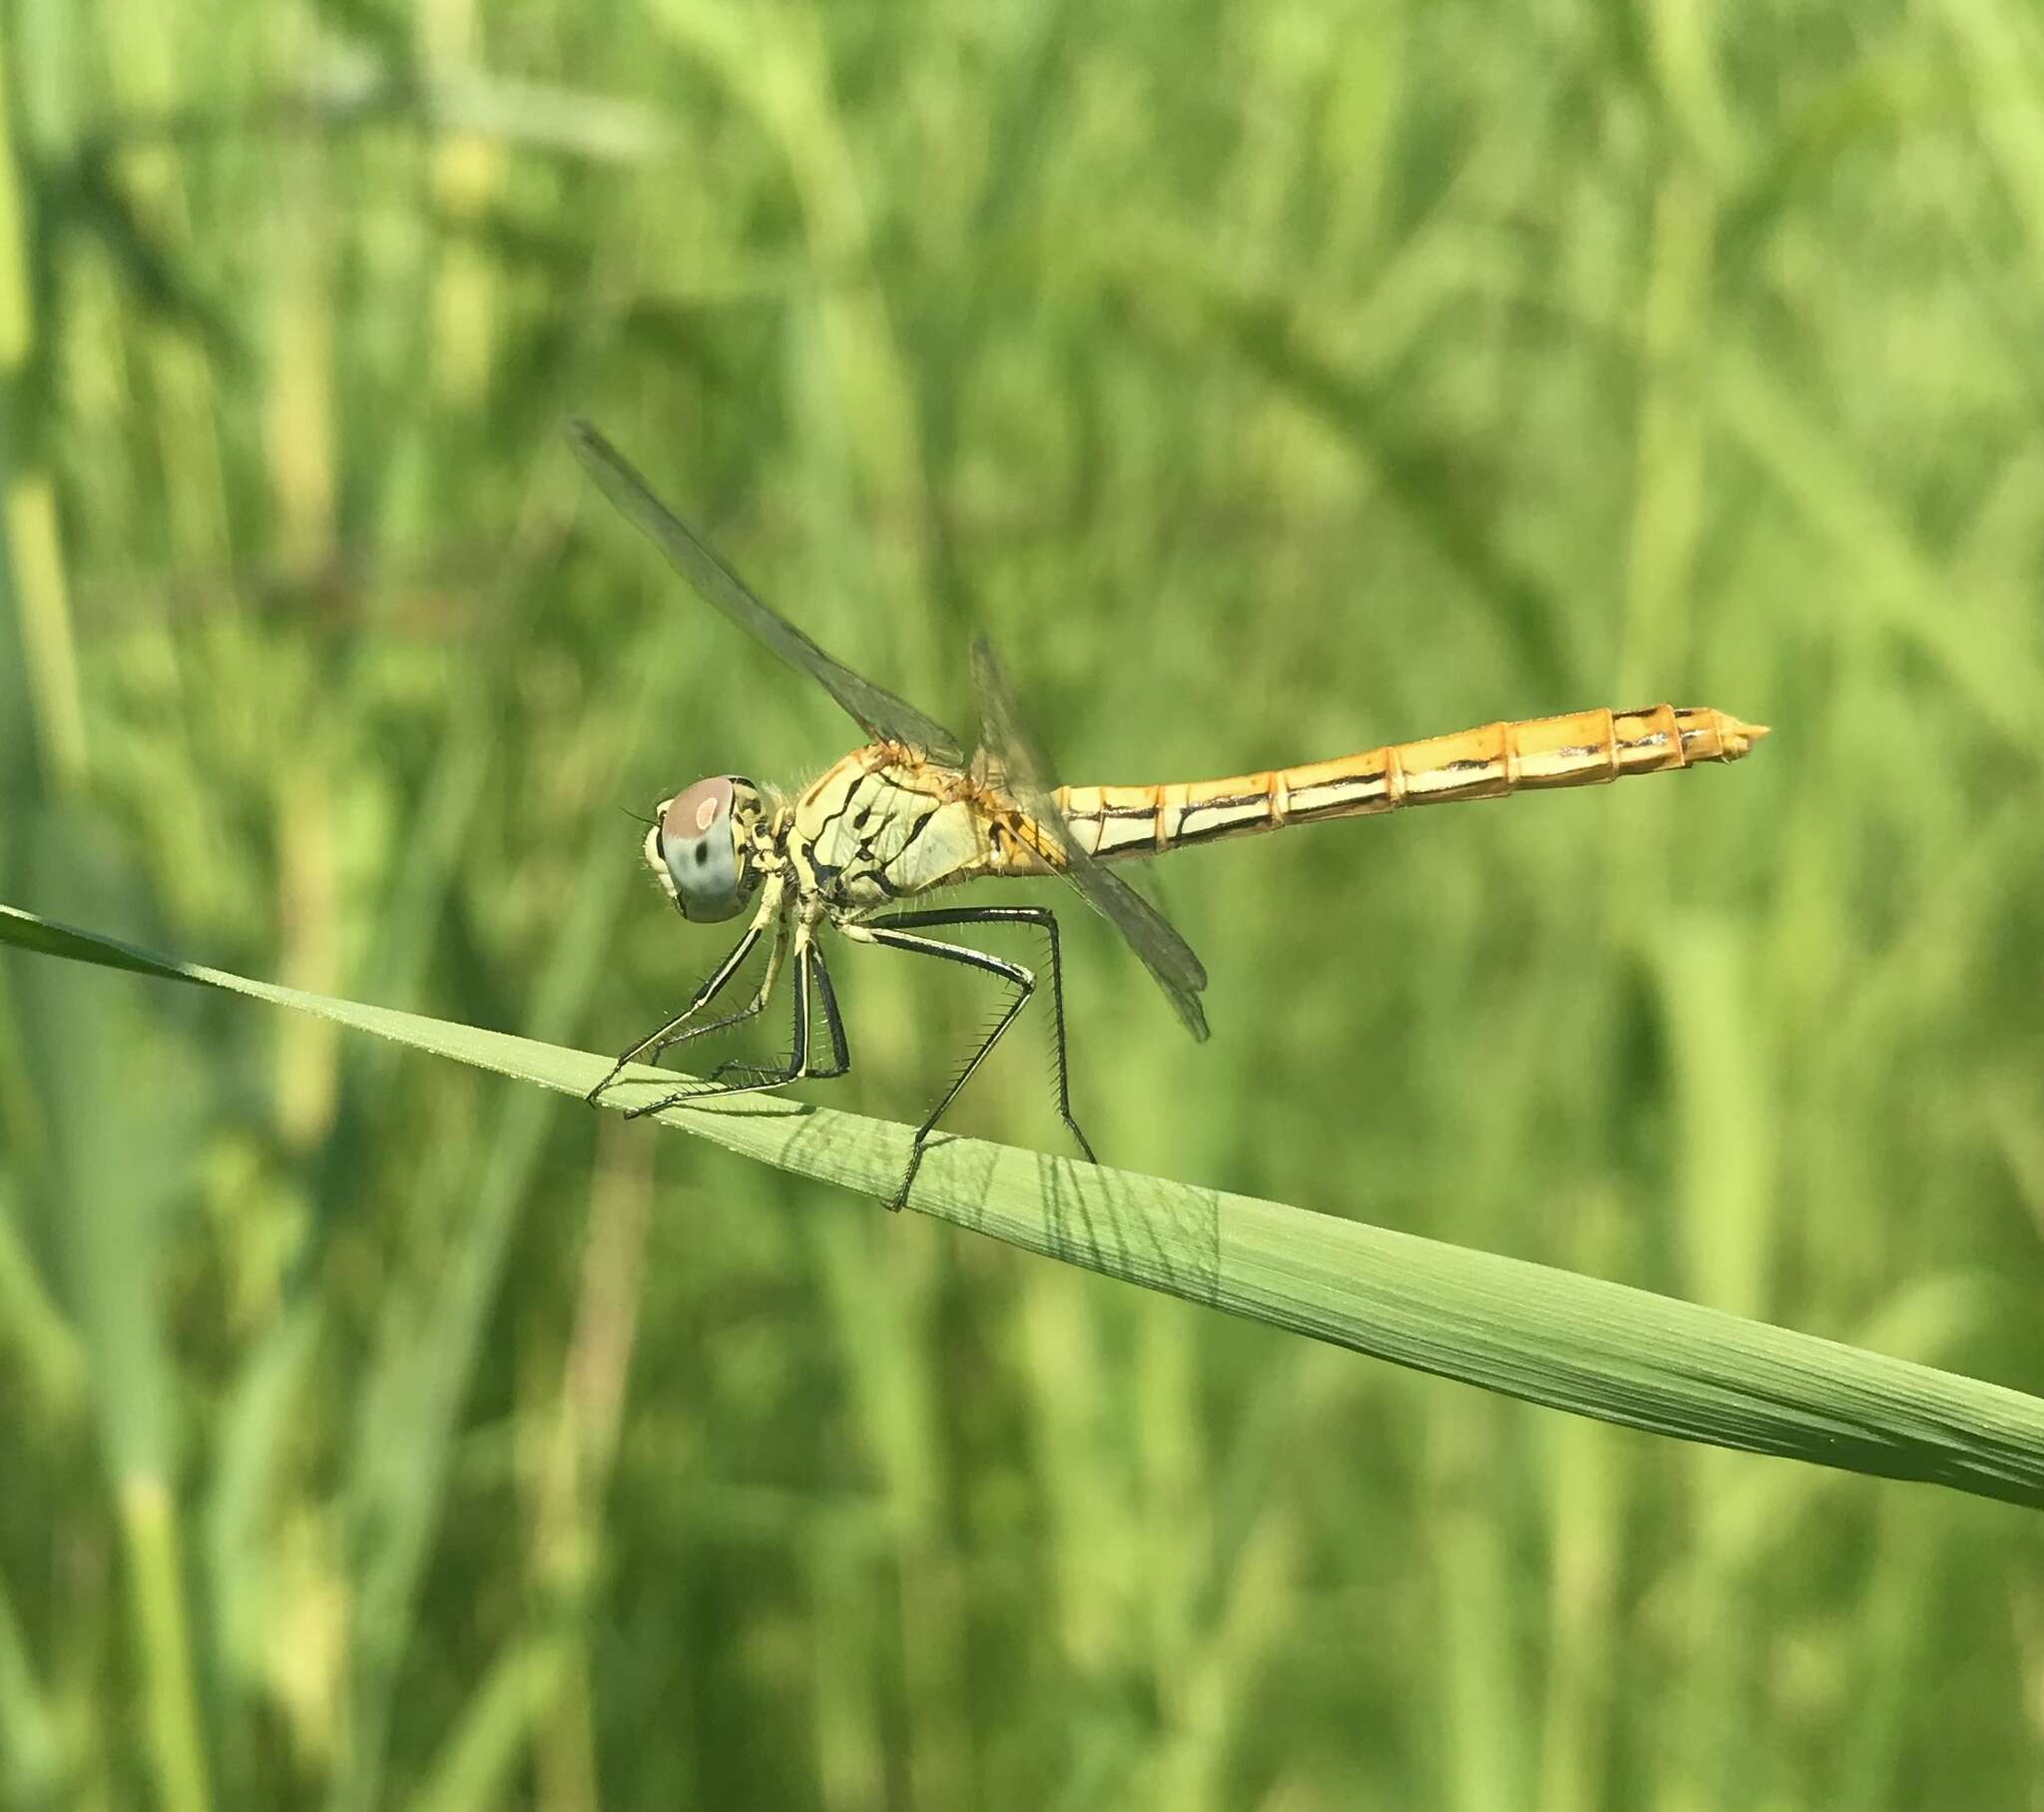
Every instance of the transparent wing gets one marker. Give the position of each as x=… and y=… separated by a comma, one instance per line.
x=1024, y=774
x=883, y=716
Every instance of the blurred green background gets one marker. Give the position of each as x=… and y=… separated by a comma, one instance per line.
x=1271, y=380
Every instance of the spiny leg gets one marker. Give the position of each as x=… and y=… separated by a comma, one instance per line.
x=807, y=970
x=834, y=1024
x=1046, y=920
x=713, y=984
x=897, y=930
x=811, y=970
x=752, y=1009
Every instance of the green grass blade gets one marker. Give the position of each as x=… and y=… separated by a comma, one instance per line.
x=477, y=1764
x=34, y=1335
x=31, y=1748
x=1576, y=1343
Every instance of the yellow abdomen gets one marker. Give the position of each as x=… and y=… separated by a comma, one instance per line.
x=1585, y=749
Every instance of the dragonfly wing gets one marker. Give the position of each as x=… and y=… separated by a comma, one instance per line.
x=1025, y=775
x=883, y=716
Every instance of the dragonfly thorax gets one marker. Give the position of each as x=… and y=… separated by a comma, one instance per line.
x=705, y=843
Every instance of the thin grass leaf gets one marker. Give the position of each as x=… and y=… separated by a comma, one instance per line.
x=31, y=1747
x=1576, y=1343
x=478, y=1762
x=92, y=202
x=34, y=1335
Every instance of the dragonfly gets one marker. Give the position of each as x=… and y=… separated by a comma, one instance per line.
x=909, y=814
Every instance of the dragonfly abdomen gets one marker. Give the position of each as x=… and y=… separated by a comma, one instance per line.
x=1584, y=749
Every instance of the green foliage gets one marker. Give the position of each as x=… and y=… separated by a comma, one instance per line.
x=1268, y=380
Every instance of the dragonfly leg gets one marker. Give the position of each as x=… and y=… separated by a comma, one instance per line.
x=751, y=1010
x=677, y=1031
x=833, y=1023
x=897, y=931
x=736, y=1076
x=811, y=990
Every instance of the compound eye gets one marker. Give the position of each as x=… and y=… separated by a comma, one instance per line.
x=699, y=845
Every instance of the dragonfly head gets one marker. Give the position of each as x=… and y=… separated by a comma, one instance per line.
x=701, y=845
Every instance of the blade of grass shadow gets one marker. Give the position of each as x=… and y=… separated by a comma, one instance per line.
x=1576, y=1343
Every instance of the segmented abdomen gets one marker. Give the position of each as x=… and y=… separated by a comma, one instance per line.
x=1585, y=749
